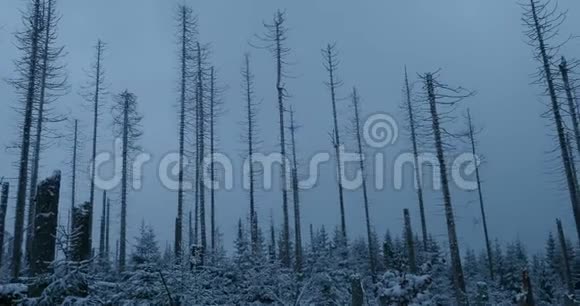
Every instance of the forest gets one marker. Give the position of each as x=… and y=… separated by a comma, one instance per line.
x=69, y=243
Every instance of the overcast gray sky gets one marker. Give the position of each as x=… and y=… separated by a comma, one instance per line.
x=478, y=44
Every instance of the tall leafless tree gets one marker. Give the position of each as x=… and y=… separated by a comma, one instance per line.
x=412, y=121
x=331, y=62
x=51, y=85
x=275, y=40
x=95, y=90
x=440, y=95
x=3, y=209
x=103, y=226
x=542, y=23
x=358, y=137
x=251, y=109
x=28, y=42
x=299, y=261
x=127, y=123
x=187, y=29
x=480, y=193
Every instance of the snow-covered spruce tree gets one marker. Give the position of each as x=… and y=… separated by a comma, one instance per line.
x=330, y=62
x=275, y=40
x=127, y=124
x=542, y=24
x=439, y=95
x=186, y=31
x=28, y=43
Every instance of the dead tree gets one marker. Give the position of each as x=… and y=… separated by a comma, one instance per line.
x=299, y=261
x=103, y=227
x=438, y=94
x=570, y=98
x=565, y=257
x=3, y=209
x=412, y=121
x=479, y=193
x=409, y=241
x=542, y=23
x=127, y=122
x=187, y=25
x=107, y=228
x=80, y=247
x=201, y=55
x=251, y=110
x=43, y=248
x=358, y=137
x=51, y=84
x=274, y=40
x=212, y=114
x=330, y=63
x=95, y=89
x=28, y=42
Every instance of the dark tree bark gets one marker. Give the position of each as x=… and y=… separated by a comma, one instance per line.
x=409, y=241
x=43, y=248
x=413, y=129
x=564, y=71
x=127, y=126
x=212, y=117
x=98, y=80
x=566, y=258
x=80, y=246
x=456, y=267
x=187, y=30
x=107, y=228
x=296, y=197
x=3, y=209
x=250, y=121
x=51, y=84
x=201, y=153
x=275, y=41
x=103, y=227
x=331, y=65
x=358, y=135
x=480, y=195
x=29, y=41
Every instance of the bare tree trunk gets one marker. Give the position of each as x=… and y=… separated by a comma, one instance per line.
x=98, y=85
x=480, y=196
x=331, y=65
x=187, y=29
x=201, y=153
x=248, y=80
x=107, y=228
x=412, y=126
x=565, y=257
x=211, y=153
x=74, y=166
x=46, y=23
x=539, y=26
x=32, y=71
x=103, y=225
x=124, y=164
x=190, y=230
x=571, y=103
x=358, y=131
x=296, y=197
x=410, y=242
x=3, y=209
x=451, y=232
